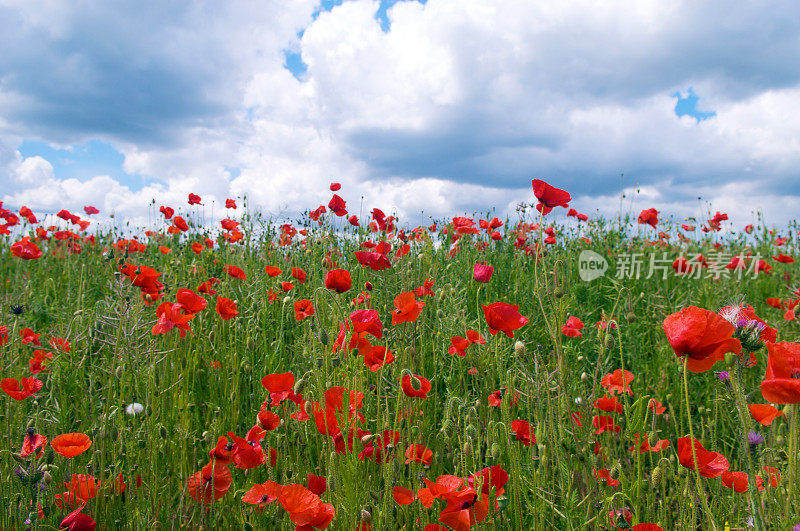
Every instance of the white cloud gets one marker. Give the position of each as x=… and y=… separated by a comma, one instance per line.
x=454, y=109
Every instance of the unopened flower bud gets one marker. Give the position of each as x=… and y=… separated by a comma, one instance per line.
x=299, y=386
x=519, y=348
x=366, y=516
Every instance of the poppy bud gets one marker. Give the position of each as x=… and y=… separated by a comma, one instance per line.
x=495, y=451
x=366, y=439
x=368, y=285
x=788, y=411
x=797, y=311
x=162, y=430
x=286, y=299
x=630, y=317
x=466, y=449
x=416, y=384
x=446, y=425
x=615, y=470
x=49, y=456
x=558, y=292
x=609, y=342
x=439, y=314
x=584, y=376
x=374, y=495
x=366, y=516
x=336, y=362
x=730, y=359
x=323, y=336
x=211, y=337
x=471, y=430
x=519, y=348
x=308, y=407
x=248, y=527
x=656, y=477
x=652, y=440
x=299, y=386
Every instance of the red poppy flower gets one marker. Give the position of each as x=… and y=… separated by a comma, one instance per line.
x=645, y=446
x=22, y=389
x=604, y=423
x=407, y=384
x=247, y=452
x=71, y=444
x=305, y=508
x=459, y=346
x=419, y=453
x=280, y=387
x=230, y=203
x=273, y=271
x=335, y=187
x=29, y=337
x=573, y=327
x=207, y=287
x=649, y=217
x=618, y=382
x=608, y=404
x=338, y=280
x=377, y=357
x=522, y=432
x=235, y=272
x=302, y=309
x=482, y=272
x=3, y=335
x=26, y=249
x=262, y=494
x=210, y=483
x=194, y=199
x=367, y=321
x=375, y=261
x=268, y=420
x=353, y=220
x=403, y=496
x=407, y=309
x=710, y=464
x=190, y=301
x=226, y=308
x=656, y=407
x=738, y=481
x=764, y=413
x=464, y=509
x=549, y=196
x=503, y=317
x=33, y=443
x=77, y=521
x=700, y=335
x=170, y=316
x=781, y=384
x=605, y=475
x=338, y=206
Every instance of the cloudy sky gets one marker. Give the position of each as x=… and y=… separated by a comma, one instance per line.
x=442, y=107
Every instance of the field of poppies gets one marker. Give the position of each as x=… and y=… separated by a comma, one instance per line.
x=348, y=370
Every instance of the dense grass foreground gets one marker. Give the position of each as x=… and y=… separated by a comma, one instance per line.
x=290, y=404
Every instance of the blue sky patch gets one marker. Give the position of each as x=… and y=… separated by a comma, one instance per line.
x=687, y=105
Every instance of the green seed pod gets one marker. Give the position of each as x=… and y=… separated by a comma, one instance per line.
x=609, y=341
x=502, y=502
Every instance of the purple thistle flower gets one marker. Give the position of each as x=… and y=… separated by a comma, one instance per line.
x=754, y=438
x=724, y=376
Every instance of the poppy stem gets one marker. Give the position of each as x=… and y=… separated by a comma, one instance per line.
x=794, y=427
x=744, y=417
x=700, y=491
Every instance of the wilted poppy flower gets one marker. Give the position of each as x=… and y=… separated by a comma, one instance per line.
x=781, y=384
x=210, y=483
x=700, y=335
x=71, y=444
x=226, y=308
x=26, y=249
x=522, y=432
x=33, y=443
x=503, y=317
x=77, y=521
x=407, y=308
x=482, y=272
x=415, y=386
x=618, y=382
x=262, y=494
x=302, y=309
x=549, y=196
x=573, y=327
x=338, y=280
x=419, y=453
x=710, y=464
x=22, y=389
